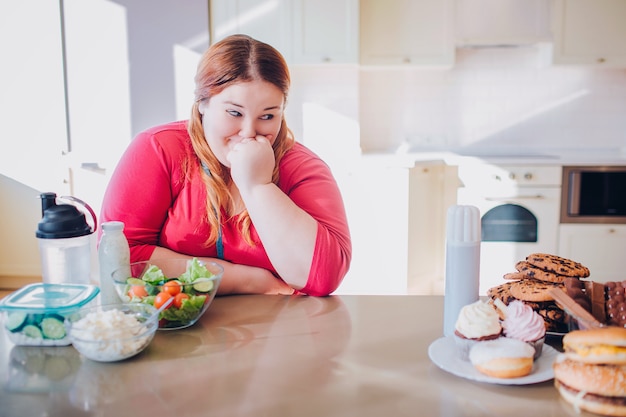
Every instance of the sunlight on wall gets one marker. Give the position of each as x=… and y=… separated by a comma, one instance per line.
x=494, y=99
x=510, y=121
x=333, y=136
x=185, y=63
x=498, y=89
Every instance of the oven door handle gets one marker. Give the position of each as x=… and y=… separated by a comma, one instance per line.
x=517, y=197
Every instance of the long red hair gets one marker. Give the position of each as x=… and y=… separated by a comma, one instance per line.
x=235, y=59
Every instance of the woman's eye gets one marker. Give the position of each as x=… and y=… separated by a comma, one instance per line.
x=234, y=113
x=267, y=117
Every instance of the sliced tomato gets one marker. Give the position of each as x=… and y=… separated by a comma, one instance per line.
x=178, y=299
x=161, y=298
x=138, y=291
x=173, y=287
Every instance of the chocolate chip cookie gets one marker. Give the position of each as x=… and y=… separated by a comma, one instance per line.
x=533, y=290
x=514, y=276
x=502, y=292
x=527, y=270
x=558, y=265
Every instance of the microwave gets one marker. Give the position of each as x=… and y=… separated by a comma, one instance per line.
x=593, y=194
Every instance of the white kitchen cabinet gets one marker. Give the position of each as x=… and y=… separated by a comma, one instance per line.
x=267, y=21
x=590, y=32
x=502, y=22
x=600, y=247
x=432, y=190
x=32, y=98
x=304, y=31
x=407, y=32
x=326, y=31
x=96, y=43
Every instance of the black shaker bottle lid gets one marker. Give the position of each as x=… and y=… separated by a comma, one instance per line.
x=60, y=220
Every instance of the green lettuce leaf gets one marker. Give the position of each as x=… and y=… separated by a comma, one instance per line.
x=153, y=275
x=194, y=271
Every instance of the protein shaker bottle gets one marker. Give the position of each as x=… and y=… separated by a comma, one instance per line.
x=64, y=238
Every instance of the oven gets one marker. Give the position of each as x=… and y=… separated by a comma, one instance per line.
x=519, y=209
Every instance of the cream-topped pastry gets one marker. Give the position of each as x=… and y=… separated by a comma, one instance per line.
x=478, y=321
x=523, y=323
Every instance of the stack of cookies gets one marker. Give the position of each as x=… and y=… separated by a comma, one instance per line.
x=531, y=282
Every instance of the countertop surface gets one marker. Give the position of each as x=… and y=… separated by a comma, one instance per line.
x=344, y=355
x=555, y=157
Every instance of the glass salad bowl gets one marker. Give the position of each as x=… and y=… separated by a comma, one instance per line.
x=182, y=289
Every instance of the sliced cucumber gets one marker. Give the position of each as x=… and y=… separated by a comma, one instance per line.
x=52, y=328
x=203, y=285
x=15, y=321
x=35, y=318
x=135, y=281
x=33, y=331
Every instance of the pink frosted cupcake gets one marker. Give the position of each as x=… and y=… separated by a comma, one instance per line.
x=477, y=322
x=523, y=323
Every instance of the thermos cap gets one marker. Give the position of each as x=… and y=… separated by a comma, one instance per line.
x=61, y=221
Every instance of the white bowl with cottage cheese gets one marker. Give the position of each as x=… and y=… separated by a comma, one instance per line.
x=114, y=332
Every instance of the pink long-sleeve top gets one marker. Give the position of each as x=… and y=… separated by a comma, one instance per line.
x=161, y=205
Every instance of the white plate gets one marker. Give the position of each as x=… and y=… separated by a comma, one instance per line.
x=443, y=352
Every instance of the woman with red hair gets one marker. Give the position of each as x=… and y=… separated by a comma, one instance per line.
x=231, y=184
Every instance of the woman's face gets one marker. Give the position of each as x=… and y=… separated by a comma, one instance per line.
x=241, y=111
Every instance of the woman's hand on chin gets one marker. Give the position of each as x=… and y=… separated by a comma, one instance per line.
x=251, y=162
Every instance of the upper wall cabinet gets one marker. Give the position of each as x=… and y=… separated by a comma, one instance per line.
x=304, y=31
x=326, y=31
x=407, y=32
x=590, y=32
x=502, y=22
x=268, y=21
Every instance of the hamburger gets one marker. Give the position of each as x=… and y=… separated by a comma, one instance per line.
x=591, y=372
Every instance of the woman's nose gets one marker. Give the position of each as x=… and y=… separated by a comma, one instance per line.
x=248, y=129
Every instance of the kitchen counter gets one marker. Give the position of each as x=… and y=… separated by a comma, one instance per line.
x=556, y=157
x=272, y=356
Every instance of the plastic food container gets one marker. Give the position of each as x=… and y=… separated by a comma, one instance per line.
x=34, y=315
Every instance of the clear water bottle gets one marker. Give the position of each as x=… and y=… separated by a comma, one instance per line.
x=113, y=253
x=462, y=263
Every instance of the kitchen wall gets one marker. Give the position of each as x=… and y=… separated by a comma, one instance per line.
x=495, y=100
x=20, y=212
x=507, y=98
